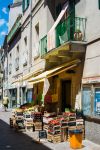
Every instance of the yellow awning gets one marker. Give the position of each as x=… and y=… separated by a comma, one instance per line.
x=53, y=72
x=35, y=82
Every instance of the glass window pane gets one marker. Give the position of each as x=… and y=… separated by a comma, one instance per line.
x=86, y=101
x=97, y=102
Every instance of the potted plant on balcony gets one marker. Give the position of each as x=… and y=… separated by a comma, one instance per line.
x=78, y=35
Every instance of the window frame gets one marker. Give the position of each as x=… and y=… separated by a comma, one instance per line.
x=93, y=89
x=89, y=87
x=96, y=87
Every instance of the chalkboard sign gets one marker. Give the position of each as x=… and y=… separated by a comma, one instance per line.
x=42, y=134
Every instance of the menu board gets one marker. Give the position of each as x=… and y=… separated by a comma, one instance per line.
x=42, y=134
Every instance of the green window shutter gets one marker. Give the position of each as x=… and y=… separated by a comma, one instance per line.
x=99, y=3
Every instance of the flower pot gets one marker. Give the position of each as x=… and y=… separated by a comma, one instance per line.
x=78, y=36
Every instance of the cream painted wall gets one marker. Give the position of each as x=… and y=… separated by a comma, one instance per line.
x=92, y=60
x=11, y=77
x=13, y=14
x=89, y=9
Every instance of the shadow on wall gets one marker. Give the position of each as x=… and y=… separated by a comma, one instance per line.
x=12, y=140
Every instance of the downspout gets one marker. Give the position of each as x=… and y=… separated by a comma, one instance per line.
x=7, y=73
x=30, y=46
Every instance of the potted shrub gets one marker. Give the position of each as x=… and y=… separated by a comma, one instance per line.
x=78, y=35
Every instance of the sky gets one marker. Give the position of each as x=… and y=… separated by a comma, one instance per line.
x=4, y=16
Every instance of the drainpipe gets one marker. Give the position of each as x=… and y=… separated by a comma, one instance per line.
x=7, y=74
x=30, y=46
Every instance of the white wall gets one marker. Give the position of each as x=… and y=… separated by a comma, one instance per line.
x=92, y=60
x=13, y=14
x=25, y=48
x=13, y=76
x=16, y=1
x=89, y=9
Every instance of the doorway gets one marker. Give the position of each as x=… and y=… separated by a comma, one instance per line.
x=23, y=95
x=66, y=94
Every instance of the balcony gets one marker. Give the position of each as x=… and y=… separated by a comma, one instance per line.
x=14, y=29
x=69, y=37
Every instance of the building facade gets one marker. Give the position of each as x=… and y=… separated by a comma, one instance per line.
x=1, y=74
x=91, y=71
x=51, y=57
x=47, y=40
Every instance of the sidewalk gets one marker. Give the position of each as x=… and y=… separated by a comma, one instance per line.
x=86, y=145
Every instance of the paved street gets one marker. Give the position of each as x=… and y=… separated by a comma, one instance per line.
x=9, y=139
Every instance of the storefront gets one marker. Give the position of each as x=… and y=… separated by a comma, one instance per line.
x=91, y=107
x=91, y=91
x=56, y=88
x=91, y=100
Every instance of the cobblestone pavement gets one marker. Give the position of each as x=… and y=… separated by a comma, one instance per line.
x=11, y=140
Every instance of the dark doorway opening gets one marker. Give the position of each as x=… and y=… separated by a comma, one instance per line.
x=66, y=94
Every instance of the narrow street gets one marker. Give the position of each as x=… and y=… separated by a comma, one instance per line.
x=9, y=139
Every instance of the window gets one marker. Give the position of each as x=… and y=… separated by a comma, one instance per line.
x=25, y=40
x=25, y=58
x=91, y=101
x=25, y=4
x=86, y=101
x=36, y=42
x=10, y=68
x=99, y=3
x=18, y=49
x=37, y=32
x=97, y=102
x=17, y=63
